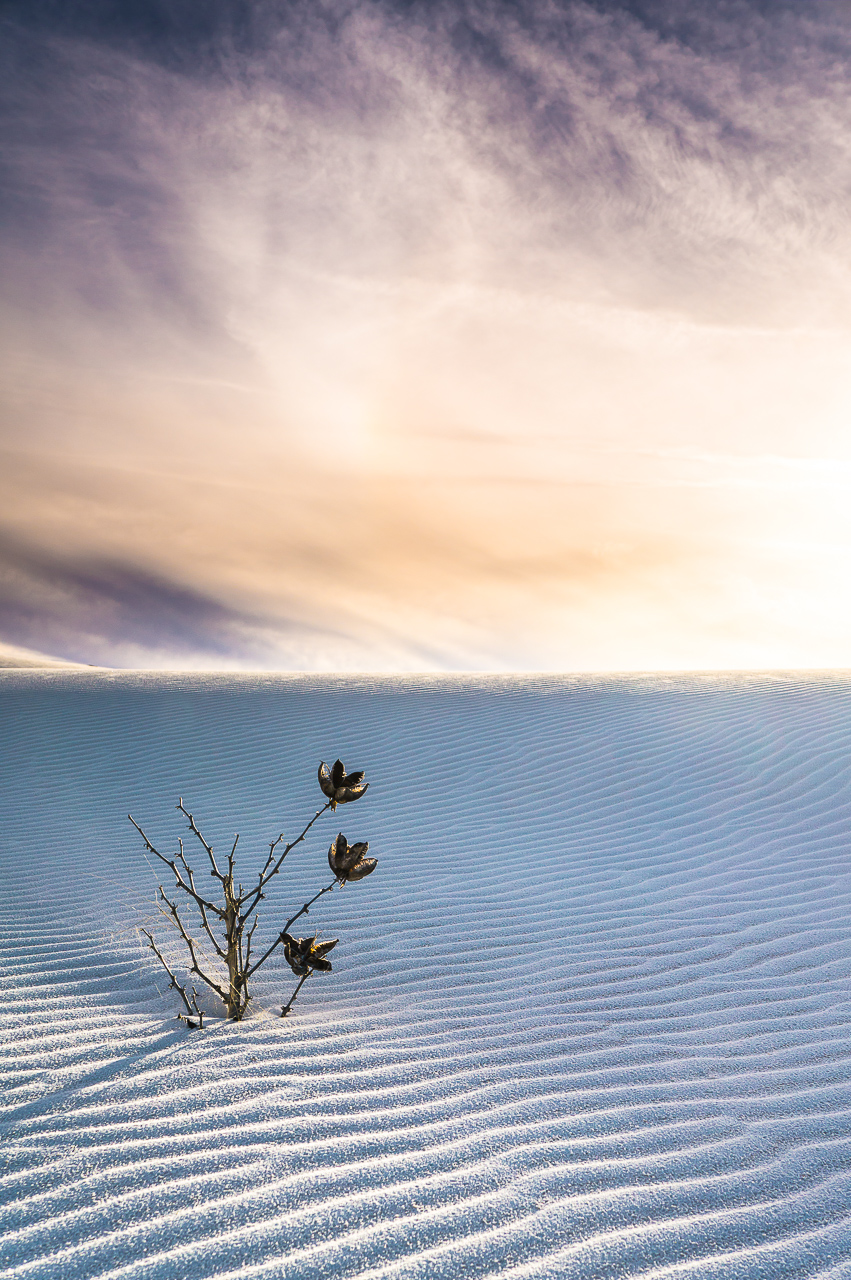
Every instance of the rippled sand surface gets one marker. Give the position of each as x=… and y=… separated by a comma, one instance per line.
x=590, y=1017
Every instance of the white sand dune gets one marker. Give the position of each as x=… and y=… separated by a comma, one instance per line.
x=589, y=1018
x=13, y=655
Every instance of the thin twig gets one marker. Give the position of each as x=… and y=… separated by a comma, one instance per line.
x=235, y=949
x=248, y=938
x=208, y=847
x=280, y=938
x=220, y=951
x=285, y=1010
x=198, y=1010
x=196, y=968
x=169, y=918
x=180, y=882
x=271, y=858
x=304, y=910
x=174, y=983
x=230, y=859
x=266, y=875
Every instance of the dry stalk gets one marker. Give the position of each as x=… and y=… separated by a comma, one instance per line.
x=229, y=923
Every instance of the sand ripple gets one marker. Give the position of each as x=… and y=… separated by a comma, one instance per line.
x=590, y=1018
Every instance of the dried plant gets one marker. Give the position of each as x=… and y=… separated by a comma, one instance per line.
x=228, y=925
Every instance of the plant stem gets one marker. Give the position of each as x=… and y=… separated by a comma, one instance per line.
x=254, y=896
x=232, y=918
x=285, y=1010
x=285, y=929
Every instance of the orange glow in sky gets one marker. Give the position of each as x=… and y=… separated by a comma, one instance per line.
x=414, y=341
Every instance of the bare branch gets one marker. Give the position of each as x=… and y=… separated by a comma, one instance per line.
x=179, y=881
x=248, y=939
x=231, y=927
x=151, y=848
x=266, y=875
x=174, y=983
x=272, y=847
x=285, y=1010
x=198, y=1010
x=208, y=847
x=190, y=943
x=214, y=986
x=230, y=859
x=220, y=951
x=302, y=912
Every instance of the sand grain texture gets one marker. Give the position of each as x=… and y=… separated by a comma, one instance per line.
x=589, y=1018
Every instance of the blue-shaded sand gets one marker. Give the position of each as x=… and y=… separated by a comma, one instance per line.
x=590, y=1017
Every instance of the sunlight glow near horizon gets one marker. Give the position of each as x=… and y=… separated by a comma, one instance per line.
x=365, y=356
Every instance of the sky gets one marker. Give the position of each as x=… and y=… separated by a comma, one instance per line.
x=406, y=336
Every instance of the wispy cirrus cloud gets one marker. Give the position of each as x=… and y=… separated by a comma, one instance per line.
x=387, y=321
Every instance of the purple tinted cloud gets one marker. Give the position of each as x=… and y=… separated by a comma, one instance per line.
x=89, y=608
x=283, y=239
x=597, y=119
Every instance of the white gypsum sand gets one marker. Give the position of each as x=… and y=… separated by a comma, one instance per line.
x=589, y=1017
x=15, y=656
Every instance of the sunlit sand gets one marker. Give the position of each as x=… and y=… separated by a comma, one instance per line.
x=589, y=1016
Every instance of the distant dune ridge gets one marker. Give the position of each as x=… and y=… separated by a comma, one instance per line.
x=14, y=656
x=590, y=1016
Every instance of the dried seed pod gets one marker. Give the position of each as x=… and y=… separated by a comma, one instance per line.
x=304, y=954
x=347, y=861
x=341, y=787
